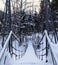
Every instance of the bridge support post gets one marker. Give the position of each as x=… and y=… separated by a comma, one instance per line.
x=10, y=46
x=46, y=49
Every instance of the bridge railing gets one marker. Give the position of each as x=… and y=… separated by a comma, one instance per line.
x=40, y=49
x=2, y=53
x=50, y=44
x=42, y=52
x=8, y=47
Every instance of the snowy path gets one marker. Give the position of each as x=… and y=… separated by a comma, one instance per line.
x=29, y=58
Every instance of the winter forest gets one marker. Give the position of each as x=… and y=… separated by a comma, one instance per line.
x=28, y=32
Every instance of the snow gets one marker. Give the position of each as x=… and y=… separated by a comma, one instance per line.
x=39, y=52
x=21, y=49
x=3, y=50
x=6, y=43
x=29, y=56
x=8, y=59
x=53, y=47
x=52, y=37
x=49, y=58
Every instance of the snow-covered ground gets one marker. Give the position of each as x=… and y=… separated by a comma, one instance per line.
x=29, y=56
x=28, y=59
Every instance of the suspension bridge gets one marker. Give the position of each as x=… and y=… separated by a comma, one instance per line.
x=26, y=36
